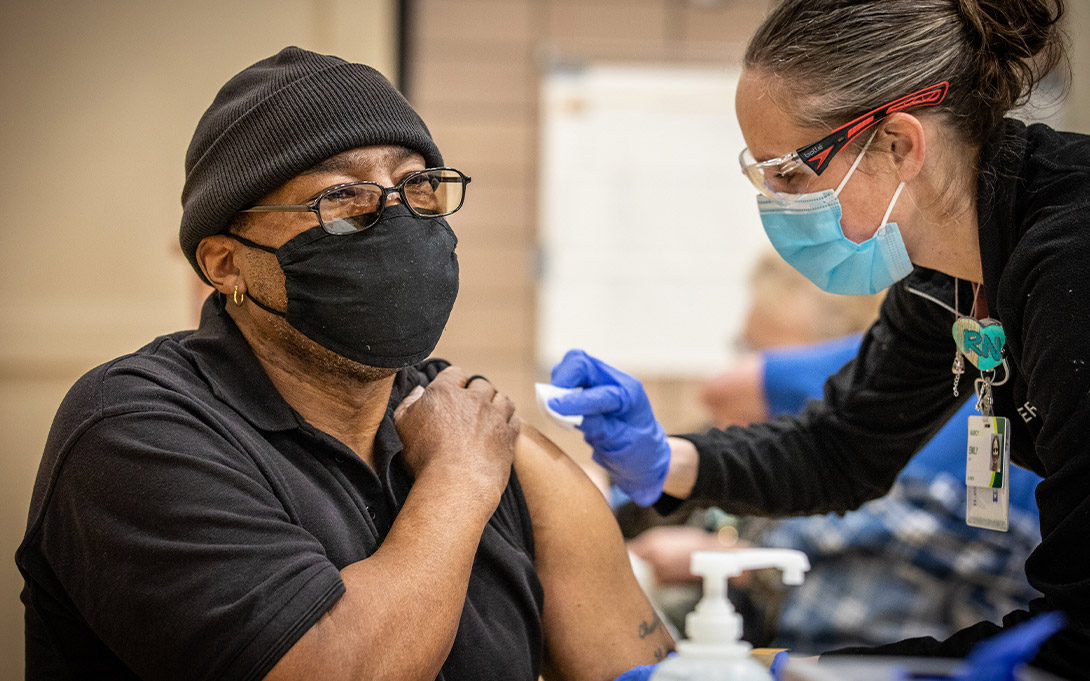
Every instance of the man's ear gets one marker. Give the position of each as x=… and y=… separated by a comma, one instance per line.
x=216, y=257
x=903, y=136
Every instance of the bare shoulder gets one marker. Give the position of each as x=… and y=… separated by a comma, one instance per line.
x=544, y=470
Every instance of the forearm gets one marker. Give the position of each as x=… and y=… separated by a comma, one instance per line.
x=790, y=468
x=400, y=611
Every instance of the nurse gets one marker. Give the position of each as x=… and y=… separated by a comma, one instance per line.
x=878, y=139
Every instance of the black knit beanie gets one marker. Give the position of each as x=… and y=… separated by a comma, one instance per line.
x=279, y=117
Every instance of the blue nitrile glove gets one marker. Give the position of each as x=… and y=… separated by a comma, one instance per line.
x=641, y=673
x=996, y=658
x=779, y=664
x=617, y=423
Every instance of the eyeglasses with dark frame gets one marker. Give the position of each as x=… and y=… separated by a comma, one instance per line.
x=773, y=177
x=355, y=206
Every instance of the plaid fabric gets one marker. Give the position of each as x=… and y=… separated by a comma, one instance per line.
x=902, y=566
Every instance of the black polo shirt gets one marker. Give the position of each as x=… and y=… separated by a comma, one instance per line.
x=186, y=523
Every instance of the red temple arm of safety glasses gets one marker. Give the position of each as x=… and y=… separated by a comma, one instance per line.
x=817, y=155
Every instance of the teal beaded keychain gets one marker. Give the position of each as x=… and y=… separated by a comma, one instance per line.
x=981, y=341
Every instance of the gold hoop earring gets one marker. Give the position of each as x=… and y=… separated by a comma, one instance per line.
x=239, y=298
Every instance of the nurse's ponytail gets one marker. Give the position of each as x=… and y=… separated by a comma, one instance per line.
x=1017, y=44
x=836, y=59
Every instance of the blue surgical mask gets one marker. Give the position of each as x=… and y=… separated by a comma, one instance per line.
x=808, y=235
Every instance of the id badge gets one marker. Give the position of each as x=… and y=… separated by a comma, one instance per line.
x=987, y=470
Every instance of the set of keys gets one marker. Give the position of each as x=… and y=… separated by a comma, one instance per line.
x=958, y=369
x=982, y=386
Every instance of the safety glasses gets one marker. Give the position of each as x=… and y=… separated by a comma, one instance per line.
x=783, y=179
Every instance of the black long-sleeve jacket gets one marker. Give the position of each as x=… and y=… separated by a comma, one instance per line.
x=1033, y=203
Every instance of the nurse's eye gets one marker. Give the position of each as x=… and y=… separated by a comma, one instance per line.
x=794, y=178
x=781, y=180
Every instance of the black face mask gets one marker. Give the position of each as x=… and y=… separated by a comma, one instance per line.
x=380, y=297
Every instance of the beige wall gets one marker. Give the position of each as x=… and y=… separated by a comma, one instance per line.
x=1077, y=106
x=100, y=100
x=475, y=72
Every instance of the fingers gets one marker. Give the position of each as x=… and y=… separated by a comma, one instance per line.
x=452, y=375
x=476, y=384
x=480, y=386
x=504, y=404
x=457, y=377
x=573, y=371
x=453, y=381
x=606, y=432
x=597, y=400
x=580, y=370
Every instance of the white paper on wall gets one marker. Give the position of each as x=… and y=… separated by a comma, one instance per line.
x=649, y=230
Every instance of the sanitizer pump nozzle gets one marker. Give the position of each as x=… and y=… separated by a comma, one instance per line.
x=715, y=649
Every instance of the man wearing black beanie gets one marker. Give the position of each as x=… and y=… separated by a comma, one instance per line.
x=294, y=490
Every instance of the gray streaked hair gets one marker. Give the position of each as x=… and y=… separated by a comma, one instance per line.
x=838, y=59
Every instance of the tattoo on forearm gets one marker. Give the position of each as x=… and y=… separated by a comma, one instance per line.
x=660, y=654
x=648, y=628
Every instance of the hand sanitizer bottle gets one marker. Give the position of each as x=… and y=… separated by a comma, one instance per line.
x=715, y=650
